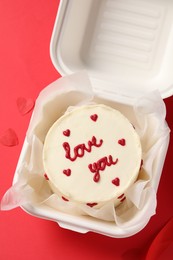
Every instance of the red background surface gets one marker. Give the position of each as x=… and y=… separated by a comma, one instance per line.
x=25, y=69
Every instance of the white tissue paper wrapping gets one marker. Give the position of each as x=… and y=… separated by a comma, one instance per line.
x=30, y=185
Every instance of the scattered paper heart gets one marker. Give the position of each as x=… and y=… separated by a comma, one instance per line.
x=9, y=138
x=25, y=105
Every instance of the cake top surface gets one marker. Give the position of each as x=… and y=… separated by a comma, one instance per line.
x=92, y=154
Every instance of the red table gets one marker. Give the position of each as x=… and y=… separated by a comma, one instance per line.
x=25, y=69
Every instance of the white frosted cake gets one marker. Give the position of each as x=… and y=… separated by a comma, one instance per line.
x=91, y=155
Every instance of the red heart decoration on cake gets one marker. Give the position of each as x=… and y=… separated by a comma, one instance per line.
x=122, y=142
x=66, y=132
x=67, y=172
x=116, y=181
x=25, y=105
x=9, y=138
x=94, y=117
x=91, y=204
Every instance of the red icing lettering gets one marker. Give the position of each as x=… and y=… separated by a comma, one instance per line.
x=94, y=117
x=80, y=149
x=100, y=165
x=67, y=172
x=66, y=132
x=116, y=181
x=91, y=204
x=122, y=142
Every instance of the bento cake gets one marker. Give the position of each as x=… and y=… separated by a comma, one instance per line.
x=91, y=155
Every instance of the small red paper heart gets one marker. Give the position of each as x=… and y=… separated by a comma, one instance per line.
x=122, y=142
x=116, y=181
x=25, y=105
x=66, y=132
x=94, y=117
x=67, y=172
x=9, y=138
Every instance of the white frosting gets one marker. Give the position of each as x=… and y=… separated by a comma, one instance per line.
x=113, y=154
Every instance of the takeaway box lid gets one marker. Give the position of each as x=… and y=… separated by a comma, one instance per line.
x=126, y=46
